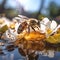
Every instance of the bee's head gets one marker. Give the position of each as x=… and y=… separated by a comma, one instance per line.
x=34, y=21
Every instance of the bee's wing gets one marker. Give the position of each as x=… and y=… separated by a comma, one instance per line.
x=17, y=19
x=23, y=17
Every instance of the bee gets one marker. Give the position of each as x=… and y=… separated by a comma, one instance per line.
x=29, y=22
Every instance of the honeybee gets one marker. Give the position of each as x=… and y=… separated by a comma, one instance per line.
x=31, y=22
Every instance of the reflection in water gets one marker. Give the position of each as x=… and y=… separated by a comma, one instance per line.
x=4, y=57
x=14, y=55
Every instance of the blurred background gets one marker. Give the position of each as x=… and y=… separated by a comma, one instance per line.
x=30, y=8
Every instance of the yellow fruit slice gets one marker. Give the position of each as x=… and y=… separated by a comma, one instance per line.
x=57, y=37
x=49, y=31
x=52, y=40
x=4, y=28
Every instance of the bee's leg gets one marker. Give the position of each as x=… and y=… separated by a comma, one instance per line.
x=33, y=28
x=37, y=27
x=28, y=29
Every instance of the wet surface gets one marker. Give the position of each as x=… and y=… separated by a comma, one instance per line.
x=14, y=55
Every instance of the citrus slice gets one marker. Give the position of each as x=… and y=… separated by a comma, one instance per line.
x=57, y=37
x=52, y=40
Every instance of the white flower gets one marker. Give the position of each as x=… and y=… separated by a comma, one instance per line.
x=45, y=23
x=53, y=25
x=9, y=36
x=56, y=28
x=42, y=28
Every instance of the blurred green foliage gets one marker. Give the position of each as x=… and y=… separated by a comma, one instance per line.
x=54, y=9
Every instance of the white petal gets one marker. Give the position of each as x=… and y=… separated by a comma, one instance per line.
x=42, y=28
x=8, y=36
x=45, y=20
x=48, y=24
x=53, y=25
x=56, y=28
